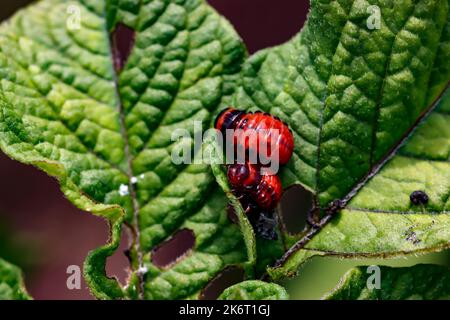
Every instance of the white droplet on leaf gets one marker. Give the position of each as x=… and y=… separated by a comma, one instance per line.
x=123, y=190
x=134, y=180
x=142, y=270
x=141, y=176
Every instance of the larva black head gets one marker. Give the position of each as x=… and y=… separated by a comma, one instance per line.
x=227, y=118
x=419, y=197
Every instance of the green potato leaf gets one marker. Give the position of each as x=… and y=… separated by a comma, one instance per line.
x=74, y=104
x=254, y=290
x=11, y=283
x=420, y=282
x=353, y=93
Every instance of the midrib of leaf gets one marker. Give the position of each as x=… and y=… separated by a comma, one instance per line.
x=135, y=225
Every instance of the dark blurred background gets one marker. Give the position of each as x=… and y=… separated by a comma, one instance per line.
x=44, y=234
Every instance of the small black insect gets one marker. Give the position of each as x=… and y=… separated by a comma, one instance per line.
x=265, y=227
x=419, y=197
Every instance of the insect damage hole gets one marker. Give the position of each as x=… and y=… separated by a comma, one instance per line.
x=172, y=250
x=118, y=264
x=228, y=277
x=295, y=205
x=122, y=43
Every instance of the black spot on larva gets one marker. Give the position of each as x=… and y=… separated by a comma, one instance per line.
x=228, y=277
x=122, y=43
x=170, y=251
x=419, y=197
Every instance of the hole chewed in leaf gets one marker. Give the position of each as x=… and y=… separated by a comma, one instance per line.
x=282, y=22
x=295, y=205
x=118, y=265
x=172, y=250
x=122, y=42
x=228, y=277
